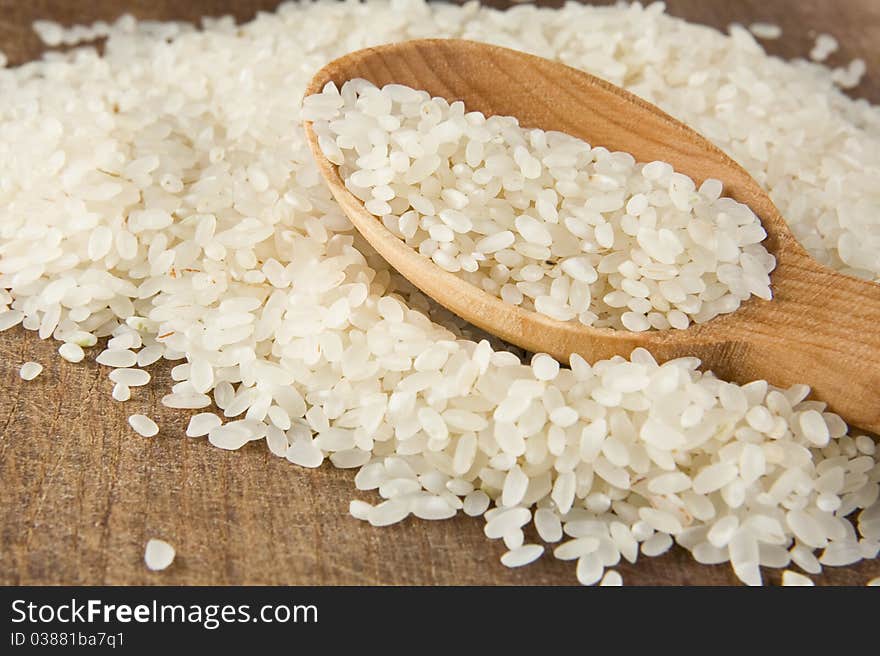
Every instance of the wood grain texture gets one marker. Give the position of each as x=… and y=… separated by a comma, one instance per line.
x=80, y=493
x=821, y=328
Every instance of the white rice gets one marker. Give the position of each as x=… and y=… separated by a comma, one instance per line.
x=158, y=554
x=522, y=555
x=71, y=352
x=825, y=45
x=612, y=578
x=130, y=377
x=790, y=578
x=277, y=312
x=30, y=370
x=143, y=425
x=548, y=525
x=589, y=569
x=117, y=358
x=541, y=219
x=766, y=31
x=359, y=509
x=202, y=424
x=121, y=392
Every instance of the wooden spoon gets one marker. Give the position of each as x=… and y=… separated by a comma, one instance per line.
x=821, y=328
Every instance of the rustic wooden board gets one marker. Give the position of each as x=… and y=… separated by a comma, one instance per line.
x=80, y=493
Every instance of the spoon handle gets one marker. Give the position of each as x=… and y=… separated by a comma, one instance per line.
x=821, y=327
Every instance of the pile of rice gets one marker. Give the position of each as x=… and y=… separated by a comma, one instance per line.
x=163, y=196
x=541, y=219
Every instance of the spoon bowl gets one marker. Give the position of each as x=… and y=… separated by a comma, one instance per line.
x=821, y=328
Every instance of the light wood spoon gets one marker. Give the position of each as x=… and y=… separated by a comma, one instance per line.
x=821, y=328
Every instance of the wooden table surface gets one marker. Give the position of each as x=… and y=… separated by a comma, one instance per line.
x=80, y=494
